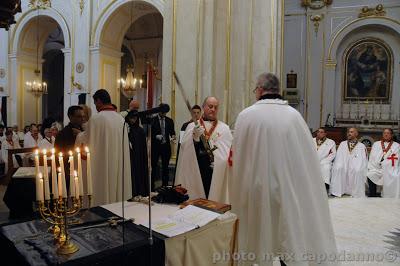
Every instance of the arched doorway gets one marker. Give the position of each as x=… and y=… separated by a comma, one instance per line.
x=29, y=51
x=121, y=36
x=53, y=74
x=144, y=38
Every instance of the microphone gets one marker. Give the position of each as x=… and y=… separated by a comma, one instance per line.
x=162, y=108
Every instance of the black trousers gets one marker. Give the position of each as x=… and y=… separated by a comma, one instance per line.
x=163, y=151
x=371, y=189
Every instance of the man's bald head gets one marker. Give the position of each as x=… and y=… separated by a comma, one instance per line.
x=352, y=133
x=134, y=105
x=210, y=108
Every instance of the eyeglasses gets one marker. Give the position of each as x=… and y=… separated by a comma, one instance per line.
x=254, y=91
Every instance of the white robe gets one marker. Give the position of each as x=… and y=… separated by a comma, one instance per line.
x=349, y=171
x=45, y=144
x=30, y=142
x=104, y=138
x=188, y=172
x=276, y=187
x=5, y=146
x=326, y=153
x=385, y=173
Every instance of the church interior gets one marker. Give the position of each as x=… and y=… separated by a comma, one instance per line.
x=338, y=63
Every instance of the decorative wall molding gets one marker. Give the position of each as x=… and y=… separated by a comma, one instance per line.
x=372, y=11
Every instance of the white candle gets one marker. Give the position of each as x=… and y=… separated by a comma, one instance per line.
x=71, y=173
x=63, y=180
x=60, y=190
x=46, y=176
x=36, y=162
x=89, y=172
x=37, y=185
x=80, y=176
x=39, y=196
x=76, y=184
x=54, y=187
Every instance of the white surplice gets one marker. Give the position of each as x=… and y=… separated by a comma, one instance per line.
x=30, y=142
x=188, y=172
x=383, y=169
x=326, y=154
x=276, y=187
x=349, y=171
x=47, y=144
x=5, y=146
x=111, y=179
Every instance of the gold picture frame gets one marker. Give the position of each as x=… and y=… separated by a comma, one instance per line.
x=368, y=71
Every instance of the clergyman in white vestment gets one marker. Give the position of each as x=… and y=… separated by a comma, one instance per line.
x=276, y=187
x=111, y=179
x=383, y=166
x=209, y=179
x=349, y=171
x=326, y=150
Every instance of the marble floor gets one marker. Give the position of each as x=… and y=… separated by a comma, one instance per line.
x=367, y=230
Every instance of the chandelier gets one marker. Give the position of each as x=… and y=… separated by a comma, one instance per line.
x=130, y=85
x=37, y=87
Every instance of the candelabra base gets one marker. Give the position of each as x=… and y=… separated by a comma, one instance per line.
x=67, y=248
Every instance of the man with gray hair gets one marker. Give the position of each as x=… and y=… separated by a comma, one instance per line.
x=204, y=155
x=275, y=184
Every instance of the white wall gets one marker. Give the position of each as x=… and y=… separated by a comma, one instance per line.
x=317, y=57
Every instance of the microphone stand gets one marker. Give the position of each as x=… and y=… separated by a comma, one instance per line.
x=150, y=172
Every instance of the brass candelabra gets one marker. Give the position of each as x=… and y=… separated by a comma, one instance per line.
x=57, y=212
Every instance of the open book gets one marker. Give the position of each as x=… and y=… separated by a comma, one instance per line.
x=184, y=220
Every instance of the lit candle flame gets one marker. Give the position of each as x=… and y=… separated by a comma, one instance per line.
x=40, y=176
x=87, y=149
x=44, y=151
x=60, y=154
x=75, y=173
x=53, y=151
x=70, y=153
x=59, y=169
x=78, y=150
x=36, y=152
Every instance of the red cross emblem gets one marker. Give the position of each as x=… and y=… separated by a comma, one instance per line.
x=392, y=157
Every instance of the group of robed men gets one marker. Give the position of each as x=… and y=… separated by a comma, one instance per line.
x=269, y=171
x=348, y=170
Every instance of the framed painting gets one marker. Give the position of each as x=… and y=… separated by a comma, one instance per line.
x=368, y=65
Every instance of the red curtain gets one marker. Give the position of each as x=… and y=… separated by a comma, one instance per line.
x=150, y=86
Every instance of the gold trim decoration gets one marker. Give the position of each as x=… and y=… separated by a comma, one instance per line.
x=330, y=64
x=81, y=5
x=80, y=67
x=282, y=41
x=250, y=54
x=228, y=62
x=316, y=19
x=199, y=50
x=173, y=84
x=316, y=4
x=75, y=84
x=370, y=11
x=321, y=109
x=39, y=4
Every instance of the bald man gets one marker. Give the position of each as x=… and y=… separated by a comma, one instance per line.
x=349, y=172
x=133, y=105
x=202, y=173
